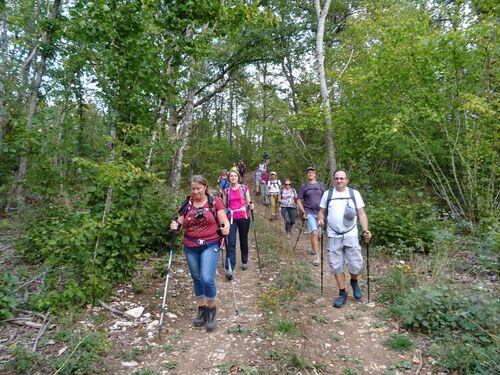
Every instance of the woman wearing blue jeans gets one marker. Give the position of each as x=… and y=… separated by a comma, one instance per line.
x=199, y=217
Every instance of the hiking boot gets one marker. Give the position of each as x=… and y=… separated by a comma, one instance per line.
x=312, y=252
x=211, y=321
x=340, y=301
x=356, y=290
x=244, y=266
x=201, y=318
x=288, y=235
x=229, y=275
x=316, y=260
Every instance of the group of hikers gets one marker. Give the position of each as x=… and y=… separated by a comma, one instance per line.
x=208, y=221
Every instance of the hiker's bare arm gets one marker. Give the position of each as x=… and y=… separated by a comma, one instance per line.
x=363, y=220
x=249, y=200
x=301, y=208
x=223, y=221
x=321, y=216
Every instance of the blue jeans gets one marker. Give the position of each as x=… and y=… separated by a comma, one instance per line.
x=242, y=226
x=202, y=262
x=312, y=223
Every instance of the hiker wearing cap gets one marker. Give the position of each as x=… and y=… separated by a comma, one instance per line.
x=339, y=208
x=238, y=206
x=308, y=200
x=199, y=217
x=274, y=190
x=288, y=206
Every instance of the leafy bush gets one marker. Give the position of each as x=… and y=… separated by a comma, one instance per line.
x=23, y=360
x=399, y=343
x=84, y=354
x=8, y=301
x=86, y=253
x=464, y=324
x=402, y=219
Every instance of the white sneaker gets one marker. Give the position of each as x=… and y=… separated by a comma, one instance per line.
x=316, y=260
x=288, y=235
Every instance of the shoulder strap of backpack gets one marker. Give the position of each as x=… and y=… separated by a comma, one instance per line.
x=185, y=205
x=351, y=193
x=328, y=199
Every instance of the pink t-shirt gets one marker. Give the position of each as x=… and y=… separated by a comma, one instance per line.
x=236, y=202
x=204, y=227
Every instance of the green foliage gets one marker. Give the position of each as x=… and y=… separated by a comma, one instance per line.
x=399, y=282
x=296, y=276
x=23, y=361
x=8, y=300
x=399, y=343
x=287, y=327
x=407, y=221
x=86, y=253
x=83, y=354
x=462, y=323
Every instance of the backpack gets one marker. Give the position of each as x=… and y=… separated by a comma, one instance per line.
x=243, y=191
x=349, y=213
x=278, y=182
x=186, y=205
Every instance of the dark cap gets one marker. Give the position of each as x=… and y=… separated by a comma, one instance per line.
x=310, y=169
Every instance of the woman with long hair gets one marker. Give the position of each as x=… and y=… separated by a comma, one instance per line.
x=288, y=206
x=238, y=206
x=203, y=219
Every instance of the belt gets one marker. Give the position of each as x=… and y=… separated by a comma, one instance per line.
x=201, y=242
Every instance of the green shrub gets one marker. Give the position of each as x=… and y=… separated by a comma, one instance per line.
x=84, y=354
x=399, y=343
x=23, y=360
x=8, y=300
x=402, y=218
x=462, y=323
x=65, y=239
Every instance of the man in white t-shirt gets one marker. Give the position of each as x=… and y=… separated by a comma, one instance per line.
x=342, y=231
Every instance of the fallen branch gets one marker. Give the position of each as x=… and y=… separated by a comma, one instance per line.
x=42, y=330
x=27, y=312
x=420, y=364
x=112, y=309
x=28, y=282
x=22, y=322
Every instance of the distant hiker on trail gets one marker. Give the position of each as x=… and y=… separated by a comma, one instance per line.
x=238, y=205
x=262, y=166
x=273, y=190
x=241, y=168
x=258, y=179
x=264, y=179
x=288, y=206
x=199, y=217
x=234, y=167
x=222, y=182
x=340, y=206
x=309, y=197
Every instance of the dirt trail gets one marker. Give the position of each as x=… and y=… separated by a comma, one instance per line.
x=332, y=341
x=329, y=341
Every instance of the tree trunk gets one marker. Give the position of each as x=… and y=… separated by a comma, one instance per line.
x=327, y=111
x=40, y=71
x=185, y=126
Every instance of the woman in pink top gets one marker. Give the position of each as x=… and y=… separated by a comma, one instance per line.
x=238, y=206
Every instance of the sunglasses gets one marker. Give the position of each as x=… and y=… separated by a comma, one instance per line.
x=287, y=184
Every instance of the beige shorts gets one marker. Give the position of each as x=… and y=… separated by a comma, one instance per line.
x=344, y=251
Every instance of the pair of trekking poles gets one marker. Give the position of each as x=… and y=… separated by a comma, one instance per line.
x=164, y=306
x=367, y=243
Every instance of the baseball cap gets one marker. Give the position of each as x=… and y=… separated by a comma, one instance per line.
x=310, y=169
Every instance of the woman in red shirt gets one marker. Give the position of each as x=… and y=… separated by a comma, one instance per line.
x=199, y=218
x=238, y=205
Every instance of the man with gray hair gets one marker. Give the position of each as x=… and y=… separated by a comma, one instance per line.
x=340, y=206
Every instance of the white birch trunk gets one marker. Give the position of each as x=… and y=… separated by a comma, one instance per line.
x=321, y=13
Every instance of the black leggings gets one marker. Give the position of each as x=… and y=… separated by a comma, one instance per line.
x=290, y=215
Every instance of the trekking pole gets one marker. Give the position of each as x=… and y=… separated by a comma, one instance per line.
x=236, y=310
x=298, y=237
x=322, y=262
x=255, y=234
x=164, y=306
x=368, y=268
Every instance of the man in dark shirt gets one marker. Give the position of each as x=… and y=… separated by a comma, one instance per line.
x=308, y=201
